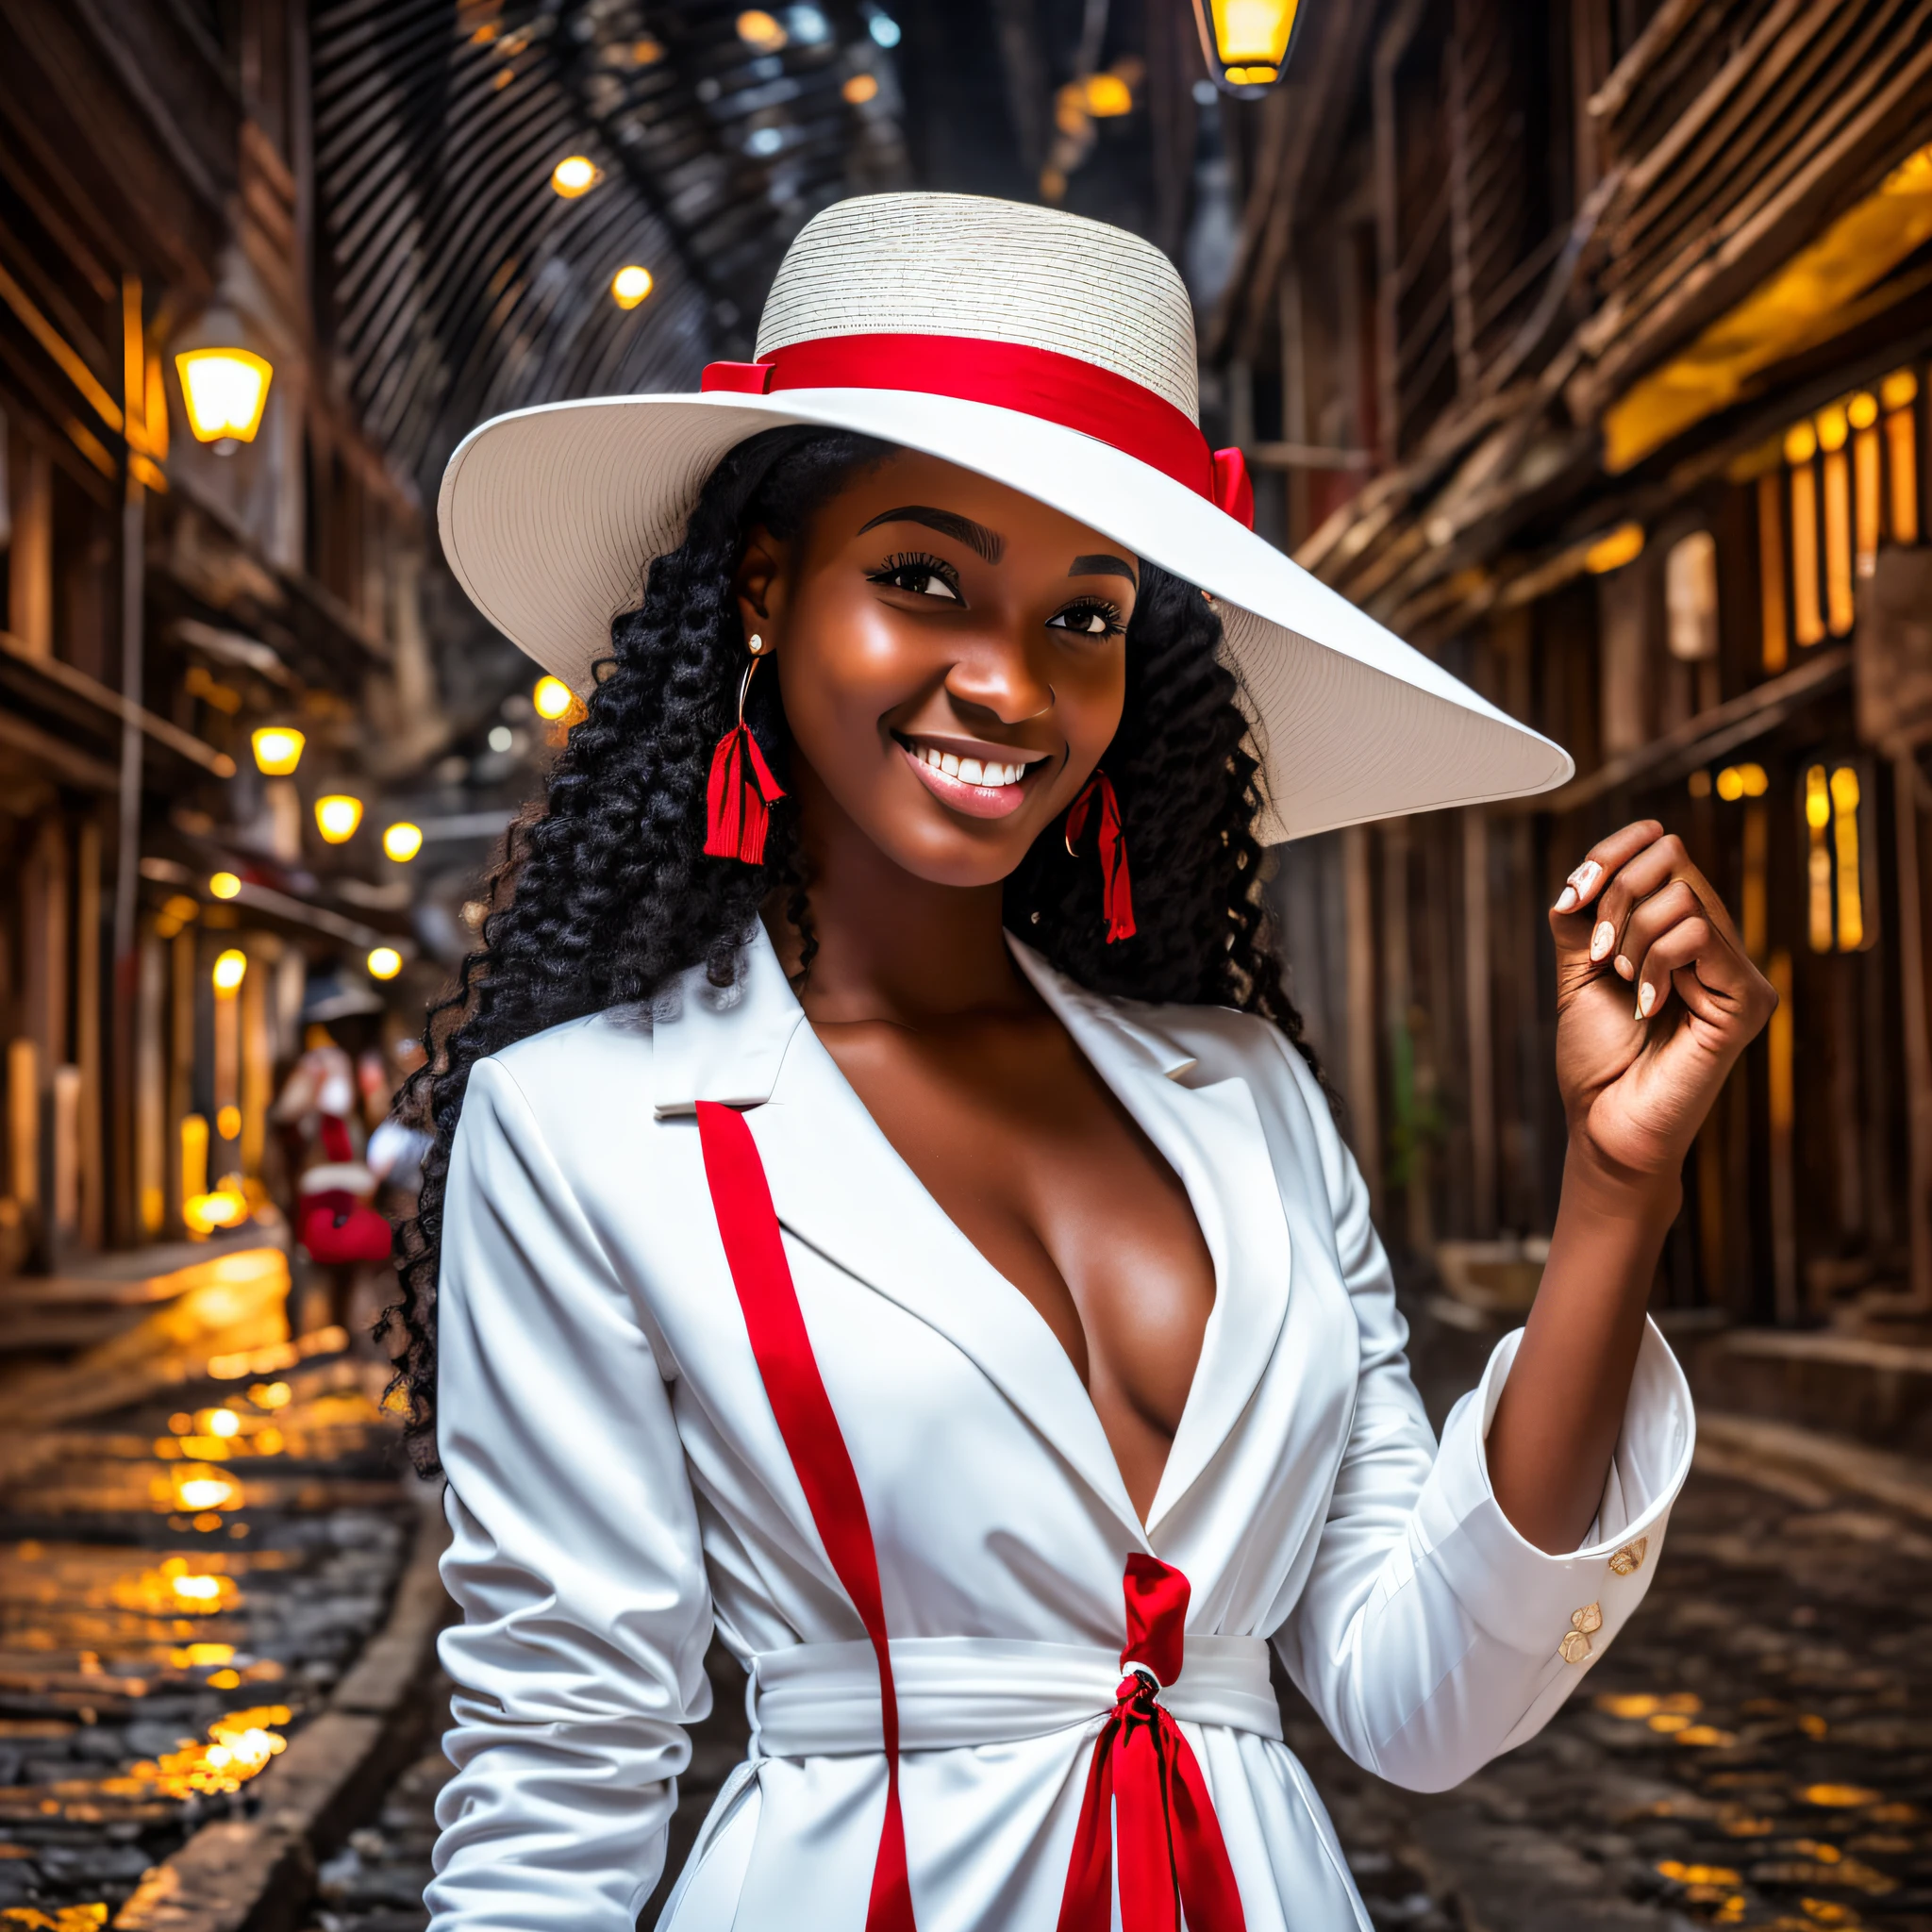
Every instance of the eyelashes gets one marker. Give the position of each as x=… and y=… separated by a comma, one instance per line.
x=919, y=574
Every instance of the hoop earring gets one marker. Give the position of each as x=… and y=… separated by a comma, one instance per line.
x=1116, y=887
x=740, y=790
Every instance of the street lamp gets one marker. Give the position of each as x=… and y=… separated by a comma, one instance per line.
x=1247, y=42
x=225, y=389
x=336, y=817
x=277, y=749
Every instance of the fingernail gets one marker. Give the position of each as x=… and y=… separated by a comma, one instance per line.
x=1646, y=998
x=1566, y=900
x=1585, y=877
x=1602, y=940
x=1624, y=968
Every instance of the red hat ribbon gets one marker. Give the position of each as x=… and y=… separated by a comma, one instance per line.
x=1112, y=409
x=1116, y=889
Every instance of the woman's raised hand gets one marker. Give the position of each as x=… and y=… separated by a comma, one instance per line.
x=1655, y=1000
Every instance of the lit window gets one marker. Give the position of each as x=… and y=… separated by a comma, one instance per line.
x=1897, y=392
x=1773, y=620
x=1691, y=597
x=1800, y=446
x=1834, y=432
x=1817, y=859
x=1850, y=910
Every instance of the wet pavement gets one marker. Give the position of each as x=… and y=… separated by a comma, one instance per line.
x=181, y=1582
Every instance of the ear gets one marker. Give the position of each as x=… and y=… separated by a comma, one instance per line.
x=758, y=583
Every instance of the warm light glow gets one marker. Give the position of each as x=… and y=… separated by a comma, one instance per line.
x=225, y=884
x=1898, y=389
x=1902, y=451
x=402, y=840
x=552, y=698
x=225, y=389
x=757, y=28
x=228, y=1121
x=231, y=969
x=336, y=817
x=630, y=285
x=1818, y=860
x=1851, y=906
x=1107, y=95
x=1742, y=781
x=1807, y=614
x=270, y=1395
x=1699, y=783
x=1773, y=627
x=1801, y=444
x=277, y=749
x=1614, y=549
x=860, y=89
x=203, y=1214
x=1862, y=410
x=222, y=1421
x=1832, y=428
x=1691, y=597
x=1840, y=605
x=1866, y=484
x=385, y=962
x=574, y=175
x=1251, y=33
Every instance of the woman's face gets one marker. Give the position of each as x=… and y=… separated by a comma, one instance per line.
x=952, y=659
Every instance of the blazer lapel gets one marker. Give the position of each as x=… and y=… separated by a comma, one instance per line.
x=1213, y=1137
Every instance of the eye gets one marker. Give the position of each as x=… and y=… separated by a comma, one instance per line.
x=1091, y=617
x=920, y=575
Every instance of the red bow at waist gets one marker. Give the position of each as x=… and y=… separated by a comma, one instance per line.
x=1146, y=1798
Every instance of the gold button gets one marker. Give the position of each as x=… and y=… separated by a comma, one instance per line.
x=1589, y=1620
x=1630, y=1556
x=1574, y=1647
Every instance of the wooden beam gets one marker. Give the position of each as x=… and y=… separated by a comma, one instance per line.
x=30, y=548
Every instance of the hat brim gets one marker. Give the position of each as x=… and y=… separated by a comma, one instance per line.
x=551, y=516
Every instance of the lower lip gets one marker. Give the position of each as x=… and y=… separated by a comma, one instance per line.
x=974, y=801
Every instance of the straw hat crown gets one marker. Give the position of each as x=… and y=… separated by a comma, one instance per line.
x=967, y=265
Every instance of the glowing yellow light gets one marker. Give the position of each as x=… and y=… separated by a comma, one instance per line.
x=1862, y=410
x=574, y=175
x=1817, y=799
x=1249, y=33
x=1109, y=95
x=402, y=840
x=277, y=749
x=223, y=885
x=860, y=89
x=757, y=28
x=204, y=1213
x=1614, y=549
x=552, y=697
x=1851, y=901
x=228, y=1121
x=1818, y=860
x=271, y=1396
x=1898, y=389
x=1801, y=444
x=1832, y=427
x=385, y=962
x=1752, y=779
x=225, y=389
x=630, y=285
x=201, y=1657
x=1838, y=1797
x=221, y=1422
x=231, y=969
x=336, y=817
x=203, y=1491
x=1730, y=785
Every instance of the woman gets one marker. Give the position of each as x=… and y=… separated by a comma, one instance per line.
x=891, y=1222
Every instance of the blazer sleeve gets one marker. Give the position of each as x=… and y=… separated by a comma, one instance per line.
x=575, y=1557
x=1430, y=1635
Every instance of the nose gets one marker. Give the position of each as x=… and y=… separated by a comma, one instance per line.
x=995, y=679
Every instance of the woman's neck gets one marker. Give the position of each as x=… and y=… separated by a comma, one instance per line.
x=892, y=946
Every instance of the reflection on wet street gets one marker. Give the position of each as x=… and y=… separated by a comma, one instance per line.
x=182, y=1578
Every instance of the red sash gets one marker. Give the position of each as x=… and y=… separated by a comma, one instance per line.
x=1172, y=1859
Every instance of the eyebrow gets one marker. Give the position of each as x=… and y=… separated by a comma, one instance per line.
x=1105, y=564
x=977, y=537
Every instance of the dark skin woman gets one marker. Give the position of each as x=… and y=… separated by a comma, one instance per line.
x=954, y=660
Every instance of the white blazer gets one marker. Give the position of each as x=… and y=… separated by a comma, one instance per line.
x=618, y=1489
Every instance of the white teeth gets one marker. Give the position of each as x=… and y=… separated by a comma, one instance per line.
x=970, y=771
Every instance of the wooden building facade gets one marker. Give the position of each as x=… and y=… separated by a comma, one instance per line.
x=1587, y=345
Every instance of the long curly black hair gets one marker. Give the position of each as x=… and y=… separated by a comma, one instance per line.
x=605, y=894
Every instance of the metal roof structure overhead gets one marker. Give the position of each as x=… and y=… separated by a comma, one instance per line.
x=461, y=282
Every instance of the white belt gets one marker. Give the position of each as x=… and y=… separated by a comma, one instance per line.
x=818, y=1700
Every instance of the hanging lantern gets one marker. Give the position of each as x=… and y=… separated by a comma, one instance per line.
x=336, y=817
x=1247, y=42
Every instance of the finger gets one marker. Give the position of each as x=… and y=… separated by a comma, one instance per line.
x=1664, y=908
x=1652, y=868
x=1679, y=949
x=1603, y=859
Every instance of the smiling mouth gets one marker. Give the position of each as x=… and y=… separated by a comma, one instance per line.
x=982, y=787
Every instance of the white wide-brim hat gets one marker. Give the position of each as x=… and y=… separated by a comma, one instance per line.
x=1052, y=353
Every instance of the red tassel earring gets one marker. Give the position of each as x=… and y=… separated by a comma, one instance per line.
x=1116, y=889
x=742, y=791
